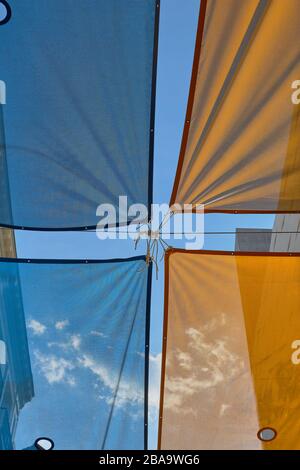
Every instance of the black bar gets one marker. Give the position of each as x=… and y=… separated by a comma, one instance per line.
x=137, y=458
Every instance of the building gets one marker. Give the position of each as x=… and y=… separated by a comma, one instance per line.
x=284, y=237
x=253, y=239
x=16, y=386
x=286, y=241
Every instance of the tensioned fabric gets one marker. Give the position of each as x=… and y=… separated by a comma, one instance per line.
x=231, y=354
x=77, y=127
x=240, y=148
x=88, y=336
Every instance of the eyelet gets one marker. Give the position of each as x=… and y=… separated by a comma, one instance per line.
x=5, y=12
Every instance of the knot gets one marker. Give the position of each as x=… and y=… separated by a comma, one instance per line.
x=154, y=242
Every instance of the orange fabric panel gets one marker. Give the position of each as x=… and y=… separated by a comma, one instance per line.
x=270, y=294
x=290, y=182
x=241, y=149
x=229, y=360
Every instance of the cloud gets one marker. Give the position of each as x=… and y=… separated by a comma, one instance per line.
x=36, y=327
x=223, y=409
x=67, y=361
x=55, y=369
x=128, y=394
x=71, y=381
x=214, y=323
x=75, y=342
x=98, y=333
x=204, y=364
x=184, y=359
x=60, y=325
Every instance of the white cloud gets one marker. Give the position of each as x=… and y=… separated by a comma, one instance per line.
x=98, y=333
x=75, y=341
x=36, y=327
x=55, y=369
x=60, y=325
x=223, y=409
x=71, y=381
x=184, y=359
x=205, y=363
x=130, y=391
x=128, y=394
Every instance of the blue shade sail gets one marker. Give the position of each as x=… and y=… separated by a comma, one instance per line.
x=77, y=109
x=88, y=334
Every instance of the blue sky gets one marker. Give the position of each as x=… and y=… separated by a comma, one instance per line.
x=178, y=23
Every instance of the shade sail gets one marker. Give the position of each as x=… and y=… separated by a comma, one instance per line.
x=240, y=148
x=77, y=127
x=88, y=335
x=231, y=353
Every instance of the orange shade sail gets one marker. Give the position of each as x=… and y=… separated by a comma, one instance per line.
x=231, y=351
x=240, y=150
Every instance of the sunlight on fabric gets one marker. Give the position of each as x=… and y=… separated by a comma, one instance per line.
x=232, y=351
x=241, y=148
x=77, y=126
x=82, y=359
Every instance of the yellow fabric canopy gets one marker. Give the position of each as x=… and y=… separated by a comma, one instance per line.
x=241, y=142
x=231, y=351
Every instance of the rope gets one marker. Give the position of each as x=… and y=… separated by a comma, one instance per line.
x=154, y=242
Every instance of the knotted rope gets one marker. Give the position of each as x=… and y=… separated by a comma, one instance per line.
x=154, y=242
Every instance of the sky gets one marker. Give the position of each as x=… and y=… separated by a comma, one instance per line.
x=178, y=22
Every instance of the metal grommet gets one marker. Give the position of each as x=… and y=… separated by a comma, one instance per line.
x=43, y=443
x=267, y=434
x=5, y=12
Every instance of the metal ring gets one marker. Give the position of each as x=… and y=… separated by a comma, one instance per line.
x=38, y=447
x=272, y=431
x=8, y=12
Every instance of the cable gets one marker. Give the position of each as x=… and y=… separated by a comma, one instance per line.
x=200, y=233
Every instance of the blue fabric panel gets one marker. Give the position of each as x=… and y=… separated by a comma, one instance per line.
x=86, y=330
x=75, y=129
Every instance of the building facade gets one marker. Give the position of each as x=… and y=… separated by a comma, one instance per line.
x=16, y=386
x=284, y=237
x=252, y=239
x=286, y=241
